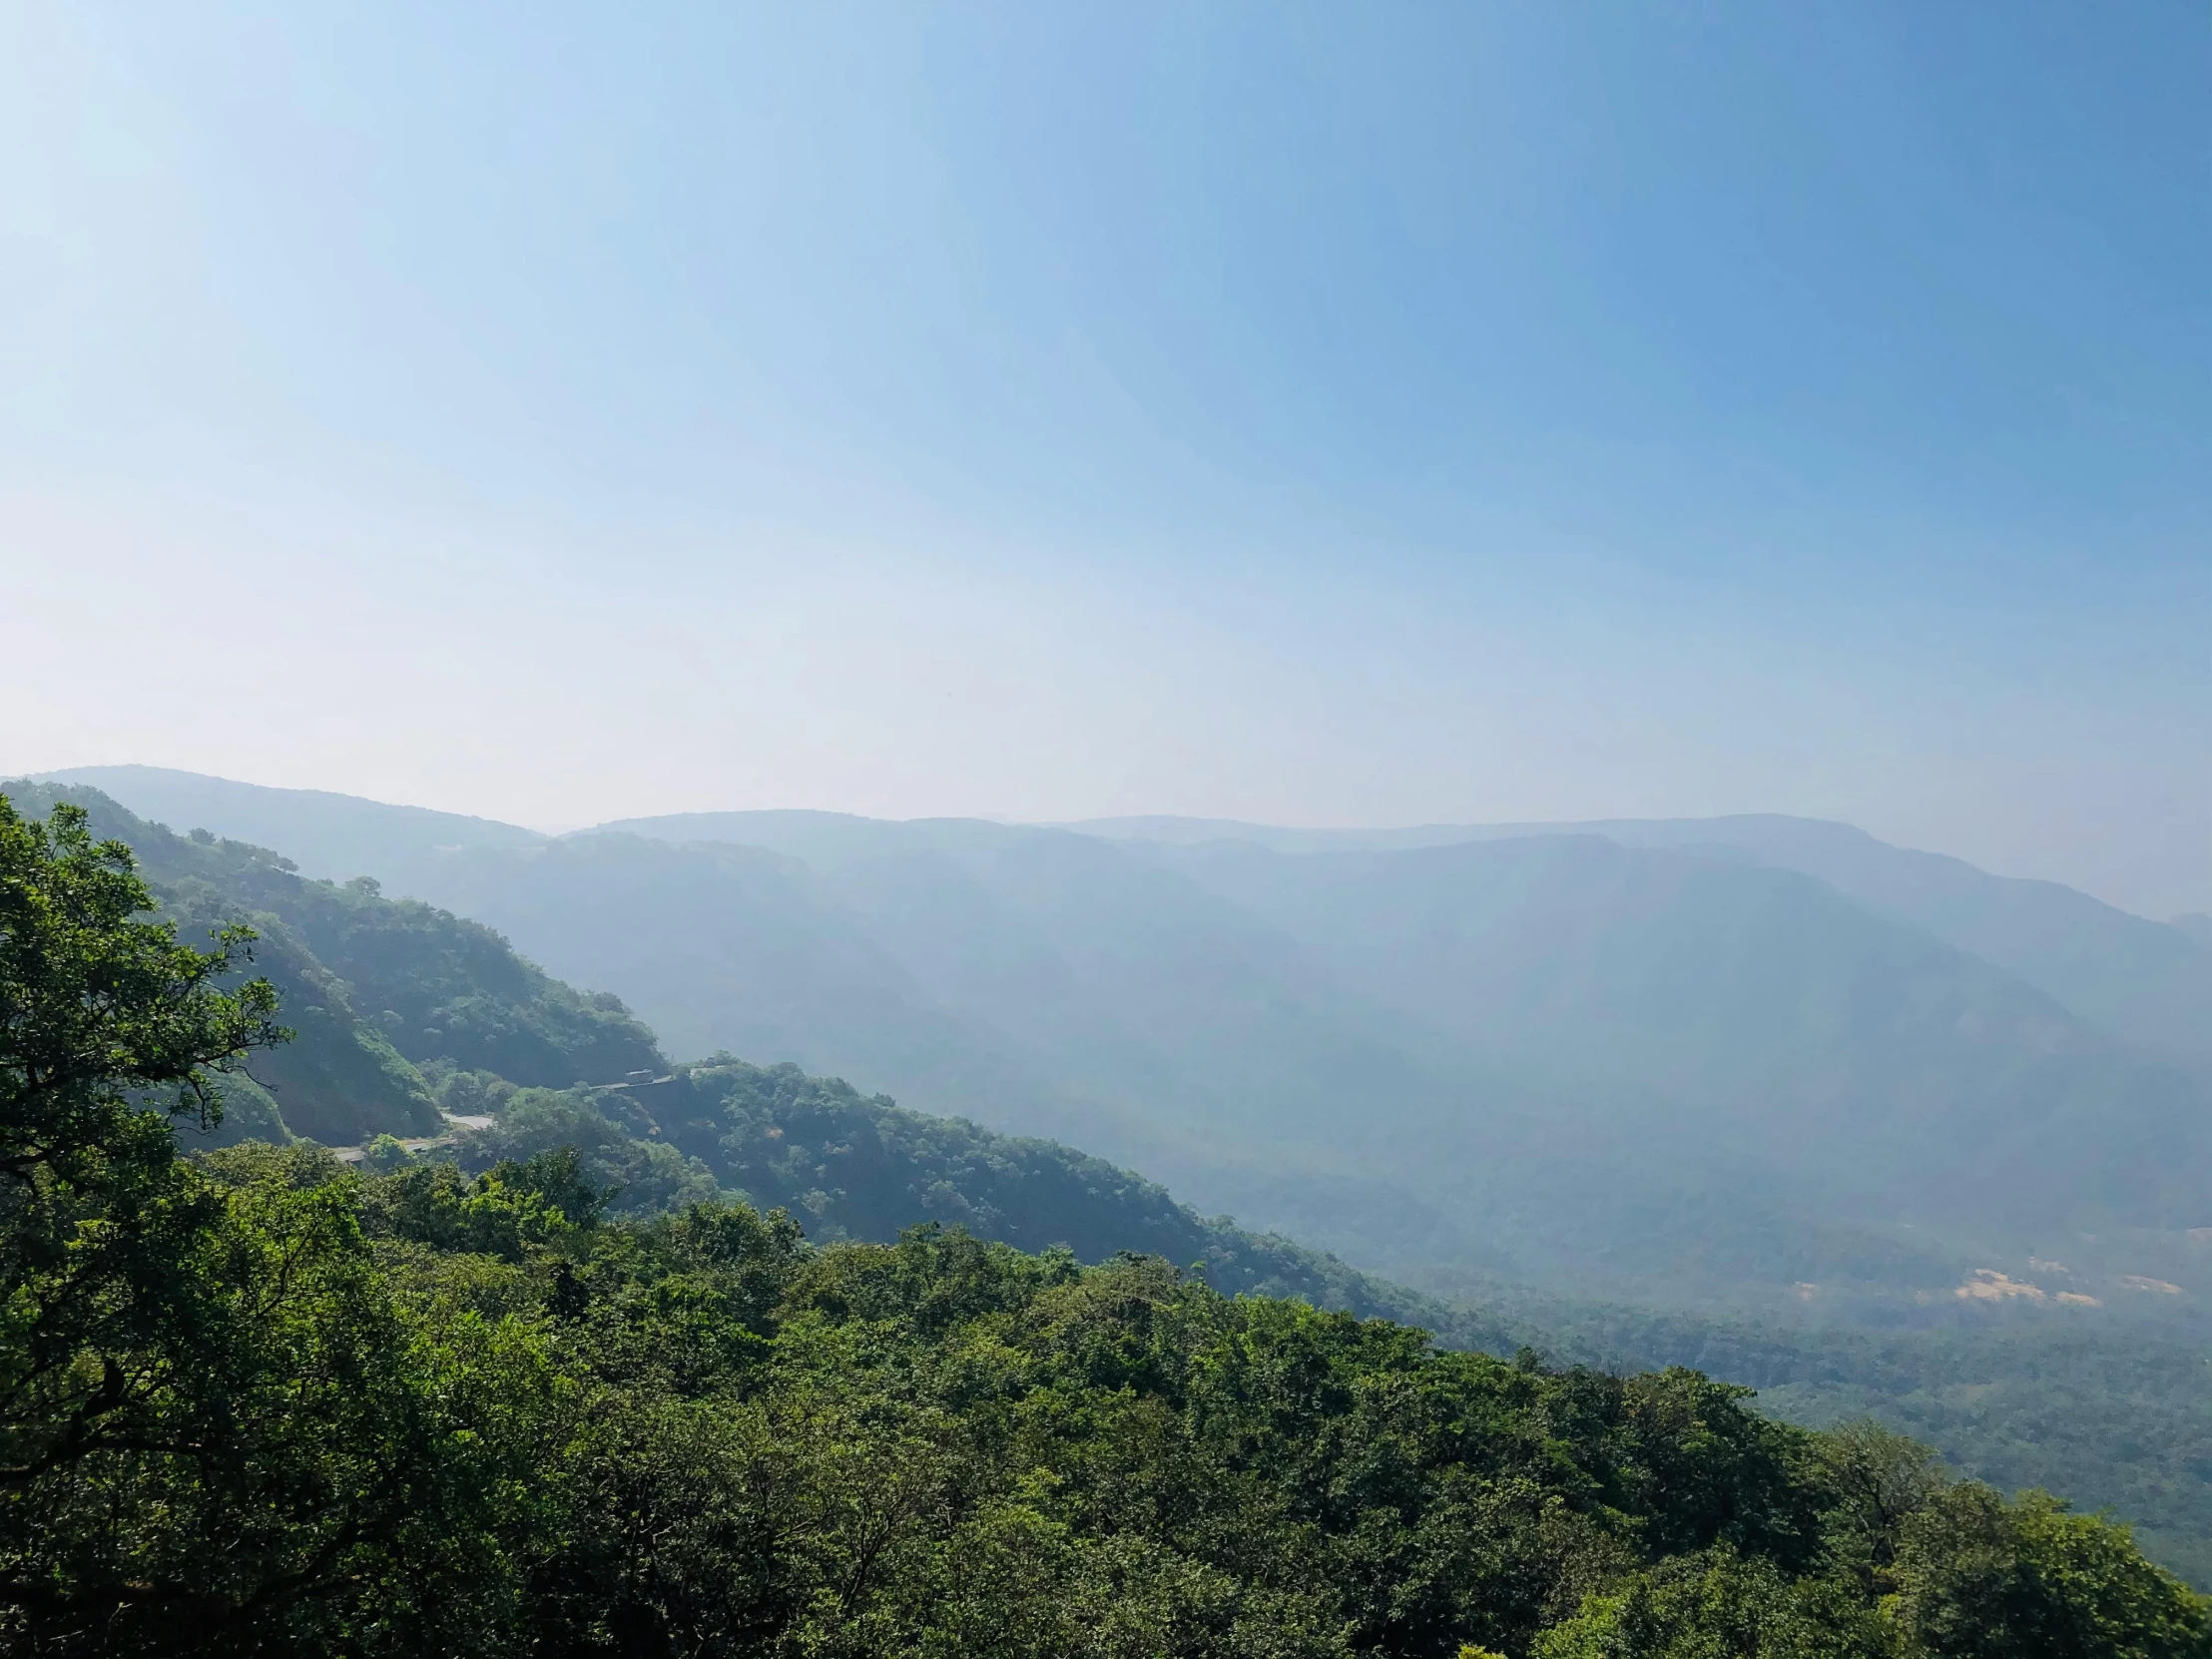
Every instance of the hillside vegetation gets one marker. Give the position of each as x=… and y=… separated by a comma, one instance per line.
x=258, y=1405
x=387, y=997
x=2095, y=1403
x=850, y=1166
x=1706, y=1063
x=1626, y=1071
x=2117, y=1413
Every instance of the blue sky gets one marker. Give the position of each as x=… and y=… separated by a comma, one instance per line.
x=1318, y=414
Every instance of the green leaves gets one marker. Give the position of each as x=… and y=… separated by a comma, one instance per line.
x=1719, y=1605
x=215, y=1427
x=100, y=1008
x=1979, y=1578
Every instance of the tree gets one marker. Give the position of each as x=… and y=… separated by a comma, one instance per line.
x=1717, y=1605
x=103, y=1012
x=108, y=1026
x=1980, y=1578
x=215, y=1432
x=1878, y=1480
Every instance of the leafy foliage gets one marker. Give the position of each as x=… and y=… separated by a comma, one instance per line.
x=2114, y=1410
x=858, y=1166
x=700, y=1435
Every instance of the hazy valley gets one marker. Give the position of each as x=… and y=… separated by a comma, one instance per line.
x=1760, y=1063
x=1630, y=1103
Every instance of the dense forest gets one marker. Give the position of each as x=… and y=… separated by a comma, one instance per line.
x=2112, y=1405
x=858, y=1167
x=258, y=1404
x=2115, y=1413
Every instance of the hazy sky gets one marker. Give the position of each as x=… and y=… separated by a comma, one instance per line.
x=1322, y=414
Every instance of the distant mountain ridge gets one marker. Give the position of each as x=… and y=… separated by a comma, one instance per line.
x=328, y=837
x=486, y=1031
x=902, y=932
x=1625, y=1058
x=2146, y=980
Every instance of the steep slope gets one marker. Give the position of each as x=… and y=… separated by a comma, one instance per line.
x=738, y=948
x=1554, y=1055
x=1641, y=1071
x=854, y=1166
x=2094, y=1400
x=1033, y=979
x=380, y=991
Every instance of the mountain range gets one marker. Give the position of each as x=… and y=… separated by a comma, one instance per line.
x=407, y=1014
x=1752, y=1061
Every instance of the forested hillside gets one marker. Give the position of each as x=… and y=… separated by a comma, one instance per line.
x=258, y=1404
x=1620, y=1071
x=387, y=997
x=1709, y=1062
x=465, y=1026
x=2117, y=1410
x=850, y=1166
x=2103, y=1407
